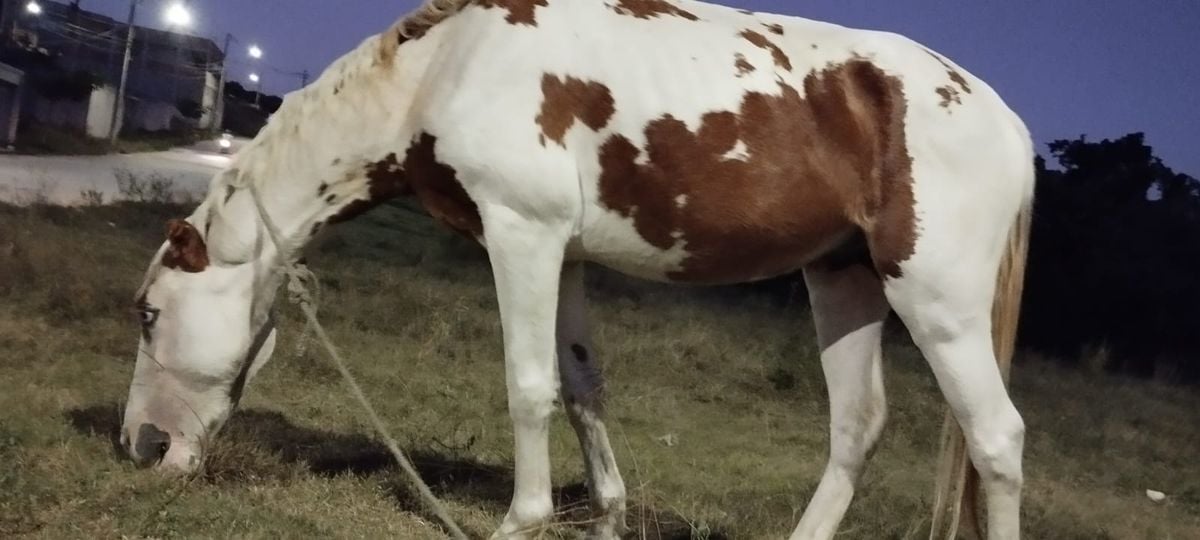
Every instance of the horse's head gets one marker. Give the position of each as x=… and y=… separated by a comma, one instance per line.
x=204, y=333
x=332, y=150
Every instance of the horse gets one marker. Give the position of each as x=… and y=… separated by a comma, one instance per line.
x=670, y=140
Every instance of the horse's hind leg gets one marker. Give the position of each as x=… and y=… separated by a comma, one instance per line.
x=953, y=330
x=583, y=395
x=945, y=296
x=849, y=308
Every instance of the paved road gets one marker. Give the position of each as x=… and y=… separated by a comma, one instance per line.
x=63, y=178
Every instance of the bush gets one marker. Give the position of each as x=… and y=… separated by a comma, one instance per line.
x=154, y=188
x=92, y=197
x=43, y=139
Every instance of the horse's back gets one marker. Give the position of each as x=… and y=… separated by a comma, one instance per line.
x=701, y=144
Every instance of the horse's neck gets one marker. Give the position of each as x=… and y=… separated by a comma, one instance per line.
x=233, y=223
x=311, y=162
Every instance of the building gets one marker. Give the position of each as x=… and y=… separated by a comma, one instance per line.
x=173, y=77
x=11, y=82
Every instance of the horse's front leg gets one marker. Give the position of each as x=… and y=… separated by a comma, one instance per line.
x=527, y=257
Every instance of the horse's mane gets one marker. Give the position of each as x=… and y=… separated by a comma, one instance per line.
x=429, y=14
x=271, y=146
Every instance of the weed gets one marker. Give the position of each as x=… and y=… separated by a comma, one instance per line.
x=92, y=197
x=154, y=188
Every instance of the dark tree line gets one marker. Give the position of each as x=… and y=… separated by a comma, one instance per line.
x=242, y=116
x=269, y=103
x=1114, y=268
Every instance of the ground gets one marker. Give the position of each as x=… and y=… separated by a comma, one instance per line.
x=717, y=408
x=62, y=179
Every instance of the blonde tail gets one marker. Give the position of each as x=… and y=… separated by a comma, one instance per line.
x=955, y=503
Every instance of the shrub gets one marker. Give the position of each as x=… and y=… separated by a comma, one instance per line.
x=154, y=188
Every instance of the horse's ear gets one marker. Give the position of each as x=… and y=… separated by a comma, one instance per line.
x=186, y=251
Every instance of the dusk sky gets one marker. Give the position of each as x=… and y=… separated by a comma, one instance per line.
x=1069, y=67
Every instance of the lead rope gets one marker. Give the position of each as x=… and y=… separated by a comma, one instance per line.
x=301, y=295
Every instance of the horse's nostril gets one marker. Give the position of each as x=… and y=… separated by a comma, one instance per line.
x=151, y=444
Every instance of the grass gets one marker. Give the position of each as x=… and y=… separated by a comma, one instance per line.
x=732, y=378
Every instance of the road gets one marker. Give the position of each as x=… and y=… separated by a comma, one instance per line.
x=62, y=179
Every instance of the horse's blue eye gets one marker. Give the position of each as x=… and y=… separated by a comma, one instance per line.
x=148, y=316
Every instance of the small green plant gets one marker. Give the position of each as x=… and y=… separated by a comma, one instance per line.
x=92, y=197
x=153, y=188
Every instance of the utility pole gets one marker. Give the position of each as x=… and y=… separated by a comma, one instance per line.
x=119, y=106
x=303, y=78
x=220, y=116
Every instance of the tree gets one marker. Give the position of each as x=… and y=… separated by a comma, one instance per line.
x=1115, y=259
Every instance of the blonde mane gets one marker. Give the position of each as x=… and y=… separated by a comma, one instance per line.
x=274, y=146
x=429, y=14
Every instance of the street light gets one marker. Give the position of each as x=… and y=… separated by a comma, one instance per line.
x=255, y=52
x=178, y=15
x=33, y=8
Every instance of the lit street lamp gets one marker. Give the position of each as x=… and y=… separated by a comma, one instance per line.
x=254, y=52
x=178, y=15
x=33, y=8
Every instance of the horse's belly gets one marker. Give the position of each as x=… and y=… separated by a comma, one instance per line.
x=736, y=251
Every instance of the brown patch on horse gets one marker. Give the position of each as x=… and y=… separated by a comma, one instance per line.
x=762, y=42
x=775, y=28
x=436, y=185
x=949, y=95
x=565, y=101
x=648, y=9
x=385, y=180
x=519, y=11
x=955, y=76
x=186, y=251
x=744, y=67
x=817, y=169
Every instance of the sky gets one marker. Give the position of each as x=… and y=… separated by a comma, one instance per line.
x=1103, y=68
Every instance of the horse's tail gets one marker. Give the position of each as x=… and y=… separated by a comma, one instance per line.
x=957, y=486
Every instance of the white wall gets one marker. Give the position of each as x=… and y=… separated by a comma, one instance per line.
x=100, y=112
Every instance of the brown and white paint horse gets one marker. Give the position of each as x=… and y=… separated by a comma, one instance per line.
x=671, y=140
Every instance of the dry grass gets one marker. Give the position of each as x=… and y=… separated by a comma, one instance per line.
x=733, y=379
